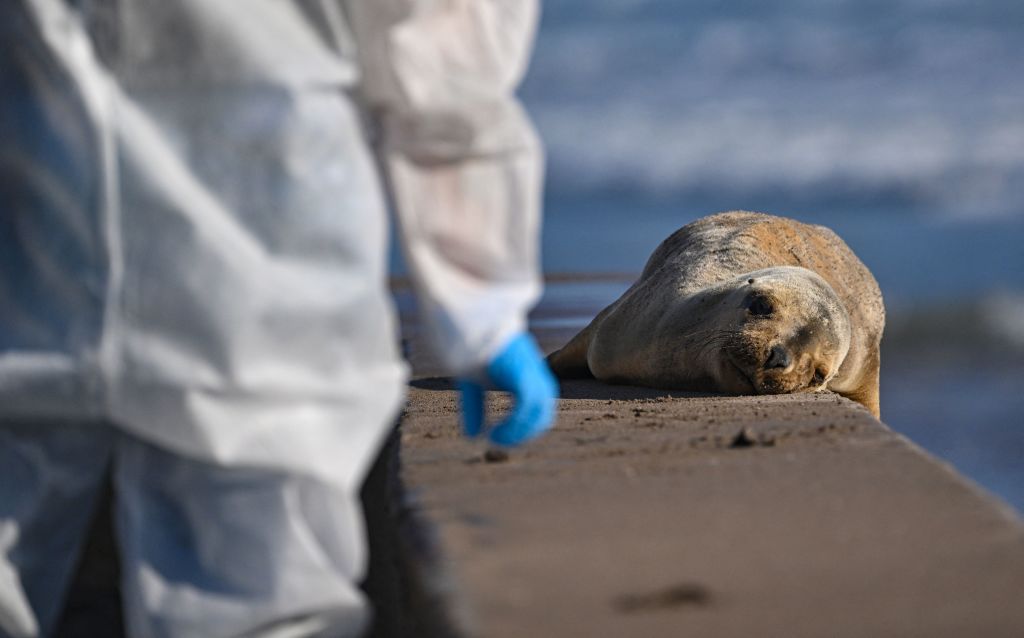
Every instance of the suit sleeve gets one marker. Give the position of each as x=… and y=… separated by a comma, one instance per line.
x=463, y=161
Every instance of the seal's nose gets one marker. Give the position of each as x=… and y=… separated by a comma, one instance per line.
x=778, y=357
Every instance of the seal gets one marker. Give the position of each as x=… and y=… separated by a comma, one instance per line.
x=741, y=303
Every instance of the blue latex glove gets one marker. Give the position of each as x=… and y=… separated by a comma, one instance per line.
x=520, y=369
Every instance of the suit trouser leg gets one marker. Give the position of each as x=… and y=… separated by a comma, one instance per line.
x=226, y=551
x=50, y=475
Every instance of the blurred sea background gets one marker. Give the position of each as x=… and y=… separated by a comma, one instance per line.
x=899, y=124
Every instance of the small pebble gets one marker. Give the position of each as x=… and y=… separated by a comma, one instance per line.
x=495, y=455
x=693, y=594
x=745, y=438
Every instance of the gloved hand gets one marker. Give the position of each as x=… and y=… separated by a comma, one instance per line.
x=520, y=369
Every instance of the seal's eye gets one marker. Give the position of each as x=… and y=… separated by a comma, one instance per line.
x=760, y=306
x=819, y=377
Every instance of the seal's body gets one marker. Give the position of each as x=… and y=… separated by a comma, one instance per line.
x=741, y=303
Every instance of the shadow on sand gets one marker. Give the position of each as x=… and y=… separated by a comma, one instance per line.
x=581, y=389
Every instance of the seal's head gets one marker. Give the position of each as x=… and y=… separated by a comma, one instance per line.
x=788, y=332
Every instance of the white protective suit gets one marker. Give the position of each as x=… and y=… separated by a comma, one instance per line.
x=193, y=283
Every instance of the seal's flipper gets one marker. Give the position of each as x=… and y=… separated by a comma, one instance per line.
x=570, y=362
x=866, y=392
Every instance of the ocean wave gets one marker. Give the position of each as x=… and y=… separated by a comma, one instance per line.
x=993, y=323
x=920, y=105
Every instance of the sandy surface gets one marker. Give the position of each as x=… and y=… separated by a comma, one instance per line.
x=644, y=514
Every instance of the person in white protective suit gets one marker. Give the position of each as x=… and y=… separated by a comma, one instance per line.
x=193, y=286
